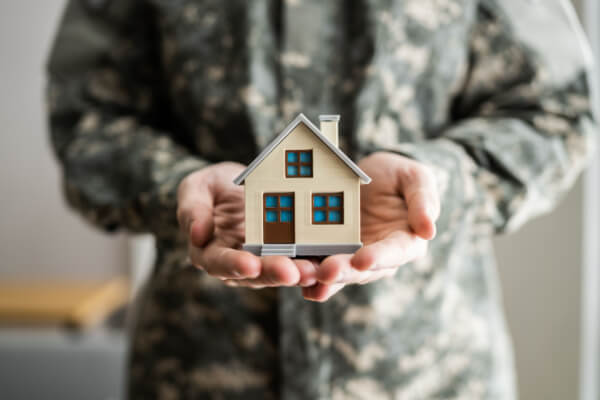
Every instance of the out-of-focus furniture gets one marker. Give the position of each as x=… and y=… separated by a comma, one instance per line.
x=58, y=342
x=78, y=304
x=50, y=363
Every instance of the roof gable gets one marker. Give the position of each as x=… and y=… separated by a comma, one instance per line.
x=301, y=118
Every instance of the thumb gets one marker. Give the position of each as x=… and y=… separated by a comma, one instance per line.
x=195, y=214
x=422, y=200
x=201, y=229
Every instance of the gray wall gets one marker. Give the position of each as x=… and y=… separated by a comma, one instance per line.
x=39, y=237
x=540, y=270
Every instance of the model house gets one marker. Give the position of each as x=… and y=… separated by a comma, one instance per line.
x=302, y=193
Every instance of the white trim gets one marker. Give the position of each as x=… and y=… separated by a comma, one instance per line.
x=296, y=250
x=364, y=178
x=590, y=299
x=329, y=117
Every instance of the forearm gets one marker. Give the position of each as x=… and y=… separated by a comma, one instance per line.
x=522, y=127
x=121, y=174
x=109, y=120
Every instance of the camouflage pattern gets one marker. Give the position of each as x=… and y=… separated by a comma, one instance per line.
x=493, y=94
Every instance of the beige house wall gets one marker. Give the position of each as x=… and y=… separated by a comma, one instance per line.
x=330, y=174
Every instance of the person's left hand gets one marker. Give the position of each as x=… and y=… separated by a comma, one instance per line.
x=398, y=213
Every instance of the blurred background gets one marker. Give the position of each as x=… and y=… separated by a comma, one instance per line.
x=548, y=273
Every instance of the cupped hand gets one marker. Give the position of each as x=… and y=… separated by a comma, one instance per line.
x=398, y=213
x=211, y=213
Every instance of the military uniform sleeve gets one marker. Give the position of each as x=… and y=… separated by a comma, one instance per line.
x=523, y=123
x=110, y=125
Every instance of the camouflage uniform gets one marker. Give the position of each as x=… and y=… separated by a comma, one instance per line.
x=494, y=94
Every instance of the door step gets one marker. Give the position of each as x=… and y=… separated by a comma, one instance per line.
x=288, y=250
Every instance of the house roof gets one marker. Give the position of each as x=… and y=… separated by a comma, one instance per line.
x=364, y=178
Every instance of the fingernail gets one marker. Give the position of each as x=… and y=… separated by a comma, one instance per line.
x=427, y=212
x=342, y=275
x=309, y=282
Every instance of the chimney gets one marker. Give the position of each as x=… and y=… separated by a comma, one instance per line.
x=329, y=127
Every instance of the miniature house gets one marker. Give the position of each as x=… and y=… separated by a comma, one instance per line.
x=302, y=193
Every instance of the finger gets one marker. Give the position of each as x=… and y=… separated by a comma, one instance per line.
x=224, y=262
x=333, y=267
x=338, y=269
x=396, y=249
x=201, y=229
x=248, y=283
x=276, y=271
x=375, y=275
x=308, y=271
x=195, y=214
x=420, y=192
x=321, y=292
x=279, y=271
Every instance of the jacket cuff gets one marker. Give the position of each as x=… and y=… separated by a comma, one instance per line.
x=160, y=205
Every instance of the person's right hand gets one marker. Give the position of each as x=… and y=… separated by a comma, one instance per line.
x=211, y=213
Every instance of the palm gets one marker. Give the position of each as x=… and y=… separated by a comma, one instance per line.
x=382, y=210
x=228, y=214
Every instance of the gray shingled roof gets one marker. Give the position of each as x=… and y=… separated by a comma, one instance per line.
x=364, y=178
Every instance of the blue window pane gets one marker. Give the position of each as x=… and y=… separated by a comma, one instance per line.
x=334, y=216
x=292, y=170
x=305, y=156
x=305, y=171
x=292, y=157
x=335, y=201
x=285, y=201
x=271, y=216
x=319, y=201
x=271, y=201
x=285, y=216
x=319, y=216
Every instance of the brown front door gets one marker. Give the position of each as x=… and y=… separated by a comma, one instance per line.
x=278, y=217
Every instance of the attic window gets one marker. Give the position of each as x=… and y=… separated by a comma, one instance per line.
x=298, y=164
x=328, y=208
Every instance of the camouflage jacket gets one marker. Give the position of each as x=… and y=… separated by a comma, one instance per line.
x=493, y=94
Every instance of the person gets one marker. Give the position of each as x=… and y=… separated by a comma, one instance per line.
x=471, y=117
